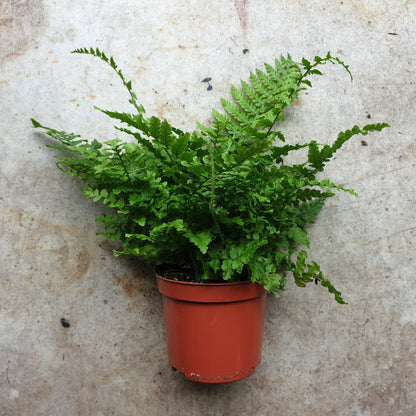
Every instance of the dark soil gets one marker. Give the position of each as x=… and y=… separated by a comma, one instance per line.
x=176, y=272
x=186, y=274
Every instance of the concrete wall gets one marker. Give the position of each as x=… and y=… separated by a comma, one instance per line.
x=319, y=358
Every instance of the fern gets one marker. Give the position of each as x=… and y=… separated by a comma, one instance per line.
x=317, y=158
x=220, y=199
x=110, y=61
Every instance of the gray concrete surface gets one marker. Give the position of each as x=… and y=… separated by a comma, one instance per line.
x=319, y=358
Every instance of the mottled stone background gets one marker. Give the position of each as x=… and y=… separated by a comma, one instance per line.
x=319, y=358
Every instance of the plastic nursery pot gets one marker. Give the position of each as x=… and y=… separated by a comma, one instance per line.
x=214, y=331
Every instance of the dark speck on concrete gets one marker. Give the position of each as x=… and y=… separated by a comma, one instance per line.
x=65, y=323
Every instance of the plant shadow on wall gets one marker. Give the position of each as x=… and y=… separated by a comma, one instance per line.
x=219, y=205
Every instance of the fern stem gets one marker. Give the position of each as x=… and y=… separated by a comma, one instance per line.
x=123, y=165
x=212, y=199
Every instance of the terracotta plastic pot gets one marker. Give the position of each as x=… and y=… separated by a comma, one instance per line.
x=214, y=331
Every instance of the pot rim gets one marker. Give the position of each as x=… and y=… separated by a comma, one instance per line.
x=209, y=292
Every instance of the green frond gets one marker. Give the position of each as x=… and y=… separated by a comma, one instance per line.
x=165, y=135
x=317, y=158
x=260, y=89
x=237, y=113
x=268, y=84
x=97, y=53
x=272, y=72
x=252, y=95
x=243, y=101
x=260, y=103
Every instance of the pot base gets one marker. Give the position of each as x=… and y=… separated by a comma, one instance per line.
x=239, y=375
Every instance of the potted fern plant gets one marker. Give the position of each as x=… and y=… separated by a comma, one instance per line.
x=219, y=211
